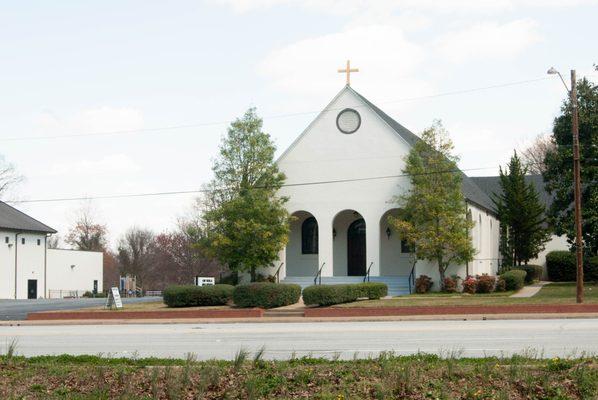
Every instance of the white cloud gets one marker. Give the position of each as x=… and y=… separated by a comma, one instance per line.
x=489, y=39
x=93, y=120
x=428, y=6
x=382, y=53
x=112, y=164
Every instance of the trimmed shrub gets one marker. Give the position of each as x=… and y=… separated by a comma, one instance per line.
x=501, y=285
x=328, y=295
x=562, y=267
x=192, y=296
x=266, y=294
x=450, y=285
x=514, y=279
x=534, y=272
x=372, y=290
x=423, y=284
x=486, y=284
x=470, y=285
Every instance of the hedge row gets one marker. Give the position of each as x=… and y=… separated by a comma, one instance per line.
x=514, y=279
x=191, y=295
x=266, y=294
x=562, y=267
x=327, y=295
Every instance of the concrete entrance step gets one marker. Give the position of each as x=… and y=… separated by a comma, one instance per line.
x=397, y=285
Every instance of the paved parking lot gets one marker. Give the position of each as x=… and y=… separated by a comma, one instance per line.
x=13, y=310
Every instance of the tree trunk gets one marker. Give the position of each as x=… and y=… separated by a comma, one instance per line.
x=253, y=274
x=441, y=271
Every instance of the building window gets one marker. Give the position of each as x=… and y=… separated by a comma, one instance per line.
x=309, y=236
x=39, y=242
x=406, y=247
x=22, y=240
x=6, y=239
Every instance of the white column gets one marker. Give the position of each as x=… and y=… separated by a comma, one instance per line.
x=325, y=244
x=372, y=244
x=282, y=258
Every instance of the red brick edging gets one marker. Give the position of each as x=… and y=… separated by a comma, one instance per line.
x=102, y=315
x=452, y=310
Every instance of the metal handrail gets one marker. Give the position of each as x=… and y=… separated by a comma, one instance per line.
x=277, y=274
x=319, y=275
x=367, y=273
x=412, y=279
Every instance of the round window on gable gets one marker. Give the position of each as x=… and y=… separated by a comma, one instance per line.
x=348, y=121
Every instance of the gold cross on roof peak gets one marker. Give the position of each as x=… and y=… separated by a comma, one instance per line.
x=348, y=71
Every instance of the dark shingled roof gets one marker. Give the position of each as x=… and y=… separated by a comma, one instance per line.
x=470, y=190
x=491, y=185
x=14, y=220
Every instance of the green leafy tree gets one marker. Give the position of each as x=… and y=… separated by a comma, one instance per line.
x=558, y=175
x=521, y=215
x=244, y=223
x=433, y=216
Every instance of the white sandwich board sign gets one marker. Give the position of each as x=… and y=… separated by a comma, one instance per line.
x=114, y=299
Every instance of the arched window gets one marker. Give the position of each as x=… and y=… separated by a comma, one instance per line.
x=309, y=236
x=481, y=233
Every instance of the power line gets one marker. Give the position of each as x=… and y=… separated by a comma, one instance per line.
x=198, y=191
x=278, y=116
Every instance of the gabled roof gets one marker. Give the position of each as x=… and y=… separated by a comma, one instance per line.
x=15, y=220
x=470, y=190
x=491, y=185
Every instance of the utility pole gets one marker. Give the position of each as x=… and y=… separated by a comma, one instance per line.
x=577, y=186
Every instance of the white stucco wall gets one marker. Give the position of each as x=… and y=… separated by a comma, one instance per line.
x=29, y=258
x=88, y=266
x=323, y=153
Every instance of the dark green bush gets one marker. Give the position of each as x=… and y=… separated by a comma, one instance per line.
x=266, y=294
x=514, y=279
x=501, y=285
x=192, y=296
x=562, y=267
x=327, y=295
x=372, y=290
x=534, y=272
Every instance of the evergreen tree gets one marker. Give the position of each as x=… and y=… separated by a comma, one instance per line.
x=433, y=218
x=521, y=215
x=244, y=223
x=558, y=175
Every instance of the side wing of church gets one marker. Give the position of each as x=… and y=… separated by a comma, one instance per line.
x=354, y=154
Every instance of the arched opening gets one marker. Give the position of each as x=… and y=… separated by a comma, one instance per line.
x=302, y=248
x=349, y=236
x=395, y=253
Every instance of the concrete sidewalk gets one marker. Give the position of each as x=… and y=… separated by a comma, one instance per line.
x=530, y=290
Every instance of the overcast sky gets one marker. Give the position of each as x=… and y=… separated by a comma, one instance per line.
x=78, y=68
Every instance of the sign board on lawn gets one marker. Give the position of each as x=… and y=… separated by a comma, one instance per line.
x=114, y=299
x=204, y=281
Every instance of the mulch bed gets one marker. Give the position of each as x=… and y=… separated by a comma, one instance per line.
x=452, y=310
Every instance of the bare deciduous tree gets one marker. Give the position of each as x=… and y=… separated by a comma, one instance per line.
x=134, y=253
x=86, y=233
x=533, y=157
x=8, y=177
x=53, y=242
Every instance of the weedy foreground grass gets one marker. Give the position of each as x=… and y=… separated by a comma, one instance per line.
x=250, y=376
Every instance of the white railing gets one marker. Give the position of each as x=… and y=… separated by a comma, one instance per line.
x=153, y=293
x=66, y=294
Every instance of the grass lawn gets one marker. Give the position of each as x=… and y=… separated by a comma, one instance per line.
x=250, y=377
x=554, y=293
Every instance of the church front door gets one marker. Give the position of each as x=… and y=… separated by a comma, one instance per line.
x=356, y=248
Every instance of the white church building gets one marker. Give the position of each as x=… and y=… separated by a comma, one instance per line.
x=29, y=270
x=340, y=233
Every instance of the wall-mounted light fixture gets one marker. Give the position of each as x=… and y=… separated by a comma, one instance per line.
x=72, y=266
x=388, y=232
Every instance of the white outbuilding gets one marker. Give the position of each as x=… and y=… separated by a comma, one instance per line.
x=29, y=270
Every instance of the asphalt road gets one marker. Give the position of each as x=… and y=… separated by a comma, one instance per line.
x=13, y=310
x=542, y=338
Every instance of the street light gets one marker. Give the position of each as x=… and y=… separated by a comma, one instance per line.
x=576, y=177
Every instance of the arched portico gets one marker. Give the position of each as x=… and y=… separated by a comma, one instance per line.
x=394, y=252
x=301, y=255
x=349, y=244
